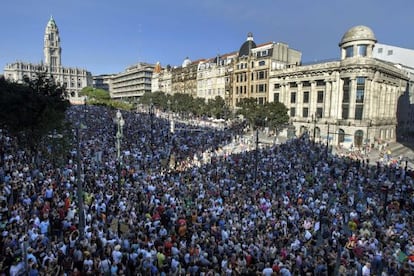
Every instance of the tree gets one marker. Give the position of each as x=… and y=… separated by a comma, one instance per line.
x=249, y=108
x=273, y=115
x=217, y=107
x=93, y=94
x=276, y=115
x=31, y=110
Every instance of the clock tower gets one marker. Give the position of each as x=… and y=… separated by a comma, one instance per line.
x=51, y=48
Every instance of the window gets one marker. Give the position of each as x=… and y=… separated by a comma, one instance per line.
x=359, y=108
x=345, y=90
x=305, y=112
x=306, y=97
x=360, y=89
x=390, y=52
x=261, y=75
x=362, y=50
x=349, y=51
x=261, y=100
x=345, y=111
x=319, y=112
x=293, y=97
x=276, y=86
x=320, y=97
x=276, y=97
x=379, y=51
x=292, y=112
x=320, y=83
x=262, y=63
x=306, y=84
x=261, y=88
x=293, y=84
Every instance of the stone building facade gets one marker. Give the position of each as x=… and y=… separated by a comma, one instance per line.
x=184, y=78
x=161, y=79
x=351, y=102
x=251, y=69
x=233, y=76
x=213, y=77
x=74, y=79
x=404, y=58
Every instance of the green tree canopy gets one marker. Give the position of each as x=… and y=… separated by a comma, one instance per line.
x=94, y=94
x=32, y=109
x=272, y=115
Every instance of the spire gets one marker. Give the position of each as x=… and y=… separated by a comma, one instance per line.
x=51, y=21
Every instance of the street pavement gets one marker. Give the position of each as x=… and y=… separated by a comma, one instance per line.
x=394, y=150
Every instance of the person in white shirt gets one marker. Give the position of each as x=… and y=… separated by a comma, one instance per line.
x=267, y=271
x=366, y=269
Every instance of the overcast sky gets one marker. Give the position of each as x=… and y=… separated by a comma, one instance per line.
x=106, y=36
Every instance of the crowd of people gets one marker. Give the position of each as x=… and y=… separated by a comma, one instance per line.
x=178, y=204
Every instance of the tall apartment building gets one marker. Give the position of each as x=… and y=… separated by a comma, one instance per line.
x=161, y=79
x=101, y=82
x=213, y=77
x=233, y=76
x=251, y=68
x=132, y=83
x=74, y=79
x=184, y=78
x=349, y=102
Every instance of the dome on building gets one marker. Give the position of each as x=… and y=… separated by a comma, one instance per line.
x=186, y=62
x=247, y=46
x=358, y=33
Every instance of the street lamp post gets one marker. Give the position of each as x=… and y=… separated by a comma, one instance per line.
x=327, y=142
x=151, y=113
x=314, y=120
x=367, y=139
x=79, y=189
x=119, y=134
x=169, y=116
x=256, y=155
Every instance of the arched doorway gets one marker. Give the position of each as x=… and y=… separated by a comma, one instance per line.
x=358, y=137
x=341, y=136
x=317, y=133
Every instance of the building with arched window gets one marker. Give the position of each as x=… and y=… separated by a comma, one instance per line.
x=73, y=79
x=348, y=102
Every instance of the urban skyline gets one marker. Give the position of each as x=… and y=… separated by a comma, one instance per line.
x=105, y=38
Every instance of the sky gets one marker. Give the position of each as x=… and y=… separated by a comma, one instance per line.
x=107, y=36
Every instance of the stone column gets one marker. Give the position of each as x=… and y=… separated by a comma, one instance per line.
x=328, y=99
x=299, y=99
x=312, y=97
x=368, y=98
